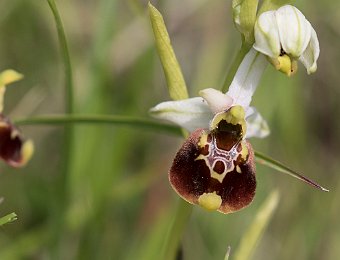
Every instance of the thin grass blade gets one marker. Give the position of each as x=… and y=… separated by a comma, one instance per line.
x=274, y=164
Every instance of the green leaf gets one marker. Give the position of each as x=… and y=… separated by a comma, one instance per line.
x=175, y=80
x=254, y=233
x=8, y=218
x=274, y=164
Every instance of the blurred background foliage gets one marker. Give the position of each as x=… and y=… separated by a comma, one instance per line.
x=116, y=202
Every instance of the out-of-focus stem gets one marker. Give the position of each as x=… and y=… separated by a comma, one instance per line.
x=175, y=232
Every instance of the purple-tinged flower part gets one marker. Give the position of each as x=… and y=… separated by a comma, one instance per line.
x=215, y=168
x=14, y=150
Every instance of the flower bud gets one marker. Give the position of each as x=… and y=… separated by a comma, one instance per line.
x=285, y=35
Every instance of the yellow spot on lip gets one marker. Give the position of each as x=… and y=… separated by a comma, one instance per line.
x=203, y=141
x=210, y=201
x=238, y=169
x=244, y=151
x=27, y=151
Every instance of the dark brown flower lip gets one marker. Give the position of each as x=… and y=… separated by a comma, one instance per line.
x=214, y=170
x=14, y=150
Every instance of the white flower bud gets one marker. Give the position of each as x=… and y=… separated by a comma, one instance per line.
x=286, y=31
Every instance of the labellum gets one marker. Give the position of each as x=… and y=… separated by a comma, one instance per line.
x=13, y=148
x=215, y=168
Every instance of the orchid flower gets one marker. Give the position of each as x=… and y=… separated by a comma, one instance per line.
x=197, y=112
x=285, y=36
x=215, y=166
x=14, y=150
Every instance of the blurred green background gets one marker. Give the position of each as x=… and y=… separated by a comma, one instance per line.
x=115, y=202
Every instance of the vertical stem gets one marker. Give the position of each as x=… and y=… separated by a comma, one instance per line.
x=234, y=66
x=175, y=232
x=61, y=188
x=65, y=57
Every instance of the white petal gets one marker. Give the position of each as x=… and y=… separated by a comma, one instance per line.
x=217, y=101
x=267, y=39
x=189, y=113
x=247, y=78
x=311, y=54
x=294, y=30
x=256, y=125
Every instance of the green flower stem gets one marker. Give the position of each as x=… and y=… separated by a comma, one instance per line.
x=101, y=119
x=234, y=66
x=62, y=203
x=65, y=57
x=175, y=232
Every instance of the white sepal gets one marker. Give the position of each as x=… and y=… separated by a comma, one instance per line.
x=294, y=30
x=267, y=38
x=189, y=113
x=311, y=54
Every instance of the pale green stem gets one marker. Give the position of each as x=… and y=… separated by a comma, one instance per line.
x=175, y=232
x=235, y=65
x=101, y=119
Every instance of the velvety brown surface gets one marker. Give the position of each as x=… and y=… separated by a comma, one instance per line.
x=10, y=148
x=191, y=177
